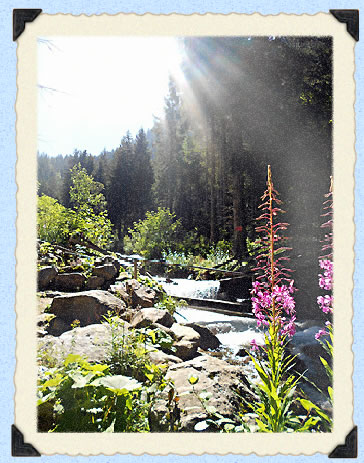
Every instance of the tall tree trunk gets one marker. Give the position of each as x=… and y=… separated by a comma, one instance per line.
x=212, y=200
x=239, y=217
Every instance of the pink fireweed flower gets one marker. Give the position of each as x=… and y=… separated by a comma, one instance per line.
x=262, y=302
x=254, y=345
x=321, y=333
x=326, y=280
x=325, y=303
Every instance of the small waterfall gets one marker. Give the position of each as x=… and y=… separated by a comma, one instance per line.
x=233, y=332
x=179, y=287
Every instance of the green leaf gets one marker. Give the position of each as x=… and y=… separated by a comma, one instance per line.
x=331, y=393
x=73, y=358
x=129, y=403
x=228, y=427
x=80, y=380
x=95, y=368
x=118, y=383
x=261, y=425
x=54, y=381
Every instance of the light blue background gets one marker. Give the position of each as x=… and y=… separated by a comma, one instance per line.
x=8, y=205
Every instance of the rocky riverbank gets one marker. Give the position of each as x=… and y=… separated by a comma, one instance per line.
x=95, y=314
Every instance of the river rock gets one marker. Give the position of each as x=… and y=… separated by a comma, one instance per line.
x=88, y=307
x=186, y=350
x=215, y=376
x=143, y=297
x=131, y=285
x=69, y=281
x=145, y=317
x=46, y=275
x=119, y=291
x=185, y=332
x=94, y=282
x=207, y=339
x=107, y=272
x=158, y=357
x=93, y=342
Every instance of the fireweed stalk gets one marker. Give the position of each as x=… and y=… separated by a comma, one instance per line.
x=326, y=280
x=272, y=293
x=274, y=308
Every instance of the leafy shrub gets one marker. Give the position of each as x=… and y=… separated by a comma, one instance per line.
x=53, y=220
x=158, y=232
x=82, y=397
x=57, y=223
x=112, y=397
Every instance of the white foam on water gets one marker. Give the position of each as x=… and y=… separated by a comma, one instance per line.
x=182, y=287
x=238, y=339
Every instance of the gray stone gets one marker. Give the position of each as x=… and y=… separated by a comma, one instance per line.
x=69, y=281
x=46, y=275
x=88, y=307
x=215, y=376
x=146, y=317
x=207, y=339
x=186, y=350
x=93, y=342
x=107, y=272
x=185, y=332
x=94, y=282
x=143, y=297
x=158, y=357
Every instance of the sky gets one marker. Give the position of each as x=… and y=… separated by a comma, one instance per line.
x=91, y=90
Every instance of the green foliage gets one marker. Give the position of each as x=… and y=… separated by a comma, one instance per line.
x=217, y=256
x=89, y=217
x=278, y=393
x=85, y=193
x=83, y=397
x=56, y=223
x=158, y=232
x=113, y=397
x=53, y=220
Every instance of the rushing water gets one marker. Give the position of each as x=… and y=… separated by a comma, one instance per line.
x=234, y=332
x=182, y=287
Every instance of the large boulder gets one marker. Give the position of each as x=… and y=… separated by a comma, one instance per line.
x=215, y=376
x=143, y=297
x=185, y=332
x=93, y=342
x=107, y=272
x=119, y=291
x=146, y=317
x=69, y=281
x=158, y=357
x=186, y=350
x=207, y=339
x=187, y=341
x=94, y=282
x=46, y=275
x=88, y=307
